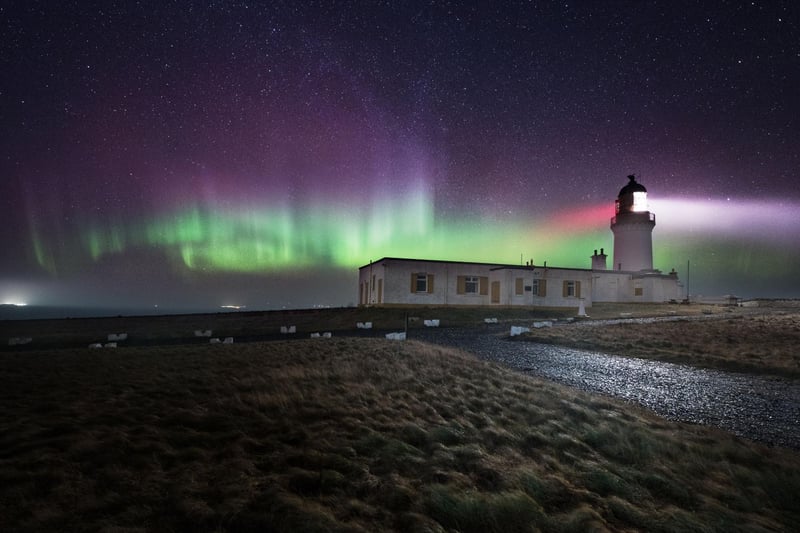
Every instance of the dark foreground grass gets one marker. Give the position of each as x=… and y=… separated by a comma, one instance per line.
x=356, y=435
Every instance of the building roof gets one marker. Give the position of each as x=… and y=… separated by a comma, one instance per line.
x=430, y=261
x=493, y=266
x=532, y=267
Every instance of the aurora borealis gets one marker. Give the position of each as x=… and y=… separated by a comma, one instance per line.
x=191, y=155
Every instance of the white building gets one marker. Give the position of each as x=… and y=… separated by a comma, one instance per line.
x=397, y=281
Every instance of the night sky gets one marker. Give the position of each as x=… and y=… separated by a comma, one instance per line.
x=197, y=154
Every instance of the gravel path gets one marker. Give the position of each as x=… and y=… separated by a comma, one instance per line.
x=765, y=409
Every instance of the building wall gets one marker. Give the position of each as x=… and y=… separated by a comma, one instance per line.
x=627, y=287
x=544, y=287
x=412, y=282
x=608, y=286
x=371, y=285
x=662, y=288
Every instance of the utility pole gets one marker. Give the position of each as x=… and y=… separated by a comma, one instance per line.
x=687, y=282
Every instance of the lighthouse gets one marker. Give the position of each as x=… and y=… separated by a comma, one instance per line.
x=633, y=226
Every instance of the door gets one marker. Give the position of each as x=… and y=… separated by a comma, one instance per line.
x=495, y=292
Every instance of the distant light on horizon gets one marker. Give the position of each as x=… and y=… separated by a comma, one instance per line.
x=18, y=293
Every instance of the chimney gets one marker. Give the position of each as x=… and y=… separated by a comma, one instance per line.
x=599, y=261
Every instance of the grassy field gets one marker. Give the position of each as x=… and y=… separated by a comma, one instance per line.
x=736, y=339
x=79, y=332
x=356, y=435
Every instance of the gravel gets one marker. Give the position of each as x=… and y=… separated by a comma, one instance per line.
x=761, y=408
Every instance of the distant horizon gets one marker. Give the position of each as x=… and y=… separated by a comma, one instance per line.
x=13, y=312
x=43, y=312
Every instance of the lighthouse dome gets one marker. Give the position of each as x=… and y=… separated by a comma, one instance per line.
x=632, y=198
x=632, y=187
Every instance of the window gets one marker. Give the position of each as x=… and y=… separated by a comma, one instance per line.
x=422, y=283
x=471, y=285
x=571, y=289
x=539, y=287
x=638, y=291
x=518, y=287
x=639, y=202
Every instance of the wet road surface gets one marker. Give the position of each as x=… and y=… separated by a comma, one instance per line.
x=762, y=408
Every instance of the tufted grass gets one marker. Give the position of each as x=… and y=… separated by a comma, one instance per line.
x=356, y=435
x=760, y=341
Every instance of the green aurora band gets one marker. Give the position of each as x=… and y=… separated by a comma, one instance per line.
x=279, y=240
x=201, y=238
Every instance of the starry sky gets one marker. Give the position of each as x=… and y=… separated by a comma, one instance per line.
x=190, y=155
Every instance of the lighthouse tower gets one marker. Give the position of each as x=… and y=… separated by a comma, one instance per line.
x=633, y=229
